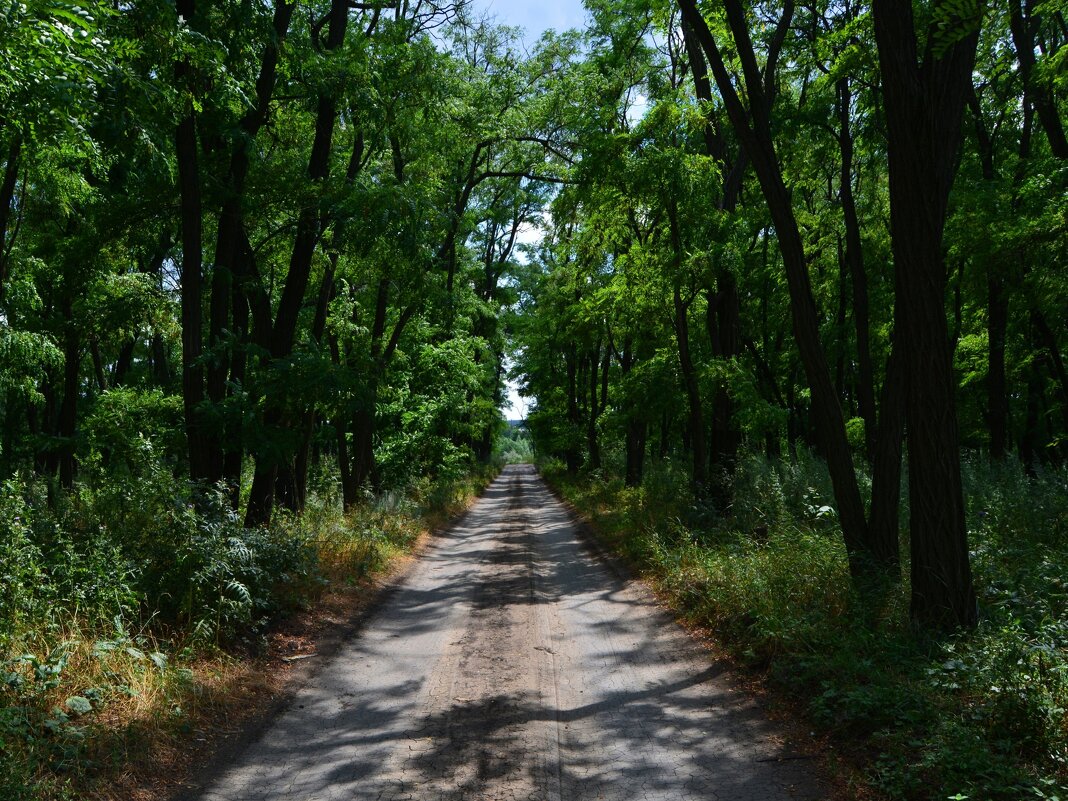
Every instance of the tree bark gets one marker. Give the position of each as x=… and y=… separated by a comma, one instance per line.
x=309, y=226
x=593, y=446
x=1029, y=438
x=854, y=257
x=997, y=316
x=726, y=438
x=635, y=455
x=1041, y=97
x=753, y=127
x=234, y=453
x=7, y=194
x=572, y=457
x=884, y=518
x=723, y=317
x=1056, y=360
x=635, y=434
x=192, y=265
x=924, y=109
x=67, y=422
x=698, y=452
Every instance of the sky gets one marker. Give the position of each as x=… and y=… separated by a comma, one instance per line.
x=535, y=18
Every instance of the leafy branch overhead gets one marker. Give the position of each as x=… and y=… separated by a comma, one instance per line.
x=754, y=268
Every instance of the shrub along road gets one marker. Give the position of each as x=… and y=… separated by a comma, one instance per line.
x=513, y=664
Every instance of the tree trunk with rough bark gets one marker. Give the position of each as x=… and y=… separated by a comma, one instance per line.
x=752, y=124
x=924, y=109
x=309, y=225
x=854, y=257
x=192, y=268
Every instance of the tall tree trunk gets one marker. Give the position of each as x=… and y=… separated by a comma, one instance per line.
x=593, y=446
x=1041, y=97
x=726, y=438
x=13, y=407
x=883, y=523
x=124, y=362
x=1030, y=446
x=192, y=263
x=161, y=366
x=572, y=457
x=997, y=316
x=349, y=490
x=1056, y=360
x=234, y=262
x=723, y=317
x=46, y=461
x=363, y=442
x=681, y=323
x=840, y=323
x=7, y=194
x=854, y=257
x=997, y=323
x=68, y=411
x=635, y=433
x=309, y=225
x=753, y=127
x=924, y=109
x=663, y=445
x=234, y=452
x=698, y=452
x=635, y=452
x=98, y=365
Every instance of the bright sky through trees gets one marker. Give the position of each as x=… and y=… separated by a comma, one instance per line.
x=536, y=18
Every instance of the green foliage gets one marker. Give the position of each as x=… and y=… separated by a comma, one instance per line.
x=223, y=582
x=56, y=564
x=117, y=593
x=448, y=146
x=980, y=714
x=20, y=562
x=513, y=446
x=52, y=60
x=130, y=429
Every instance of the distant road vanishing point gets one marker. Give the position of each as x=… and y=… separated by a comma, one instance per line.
x=513, y=664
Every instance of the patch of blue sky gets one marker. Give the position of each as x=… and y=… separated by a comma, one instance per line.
x=534, y=18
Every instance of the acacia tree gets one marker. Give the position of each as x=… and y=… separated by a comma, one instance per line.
x=922, y=146
x=869, y=546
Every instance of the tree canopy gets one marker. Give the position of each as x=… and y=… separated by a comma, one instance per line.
x=251, y=240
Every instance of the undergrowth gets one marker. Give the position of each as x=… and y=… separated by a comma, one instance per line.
x=126, y=606
x=979, y=715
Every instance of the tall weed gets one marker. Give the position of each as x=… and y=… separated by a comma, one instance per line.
x=113, y=596
x=978, y=715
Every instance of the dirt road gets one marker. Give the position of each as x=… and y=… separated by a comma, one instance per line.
x=512, y=664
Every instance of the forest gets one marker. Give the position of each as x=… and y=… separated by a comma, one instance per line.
x=784, y=283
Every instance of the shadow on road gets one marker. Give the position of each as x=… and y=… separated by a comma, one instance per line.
x=630, y=709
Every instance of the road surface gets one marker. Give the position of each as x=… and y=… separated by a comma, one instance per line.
x=512, y=664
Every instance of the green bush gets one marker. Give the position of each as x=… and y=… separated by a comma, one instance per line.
x=223, y=582
x=21, y=561
x=53, y=563
x=979, y=715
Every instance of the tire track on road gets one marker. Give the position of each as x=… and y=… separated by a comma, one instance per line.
x=513, y=665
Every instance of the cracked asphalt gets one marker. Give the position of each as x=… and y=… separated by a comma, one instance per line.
x=512, y=664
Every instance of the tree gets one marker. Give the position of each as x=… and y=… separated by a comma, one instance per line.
x=922, y=154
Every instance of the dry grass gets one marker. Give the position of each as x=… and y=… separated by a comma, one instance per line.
x=155, y=724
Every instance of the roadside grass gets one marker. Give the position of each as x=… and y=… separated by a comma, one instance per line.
x=116, y=664
x=978, y=715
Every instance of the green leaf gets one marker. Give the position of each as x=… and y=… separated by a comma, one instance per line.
x=136, y=653
x=79, y=705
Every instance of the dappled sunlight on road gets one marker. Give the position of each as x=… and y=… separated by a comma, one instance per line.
x=512, y=664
